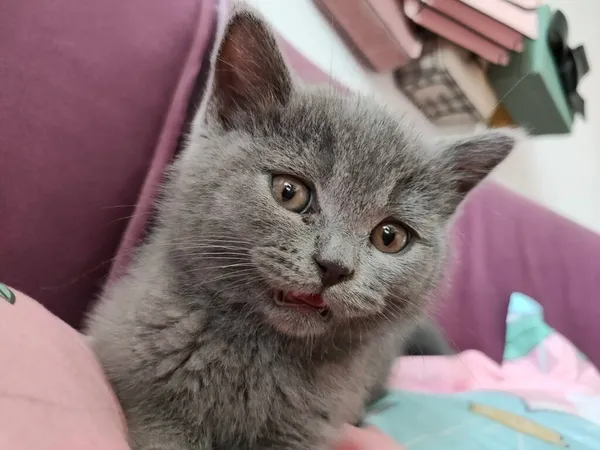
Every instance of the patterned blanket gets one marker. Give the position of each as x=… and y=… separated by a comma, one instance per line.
x=545, y=395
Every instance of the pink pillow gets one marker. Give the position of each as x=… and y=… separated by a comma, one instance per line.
x=53, y=393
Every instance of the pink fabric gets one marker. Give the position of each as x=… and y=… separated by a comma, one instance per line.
x=365, y=439
x=545, y=394
x=565, y=381
x=53, y=393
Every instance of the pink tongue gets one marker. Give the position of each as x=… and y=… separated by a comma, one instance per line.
x=308, y=299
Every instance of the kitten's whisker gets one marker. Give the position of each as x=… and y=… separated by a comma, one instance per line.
x=79, y=277
x=244, y=282
x=221, y=258
x=220, y=235
x=192, y=256
x=231, y=275
x=204, y=234
x=495, y=108
x=213, y=247
x=209, y=252
x=229, y=266
x=215, y=238
x=218, y=255
x=120, y=219
x=118, y=206
x=223, y=245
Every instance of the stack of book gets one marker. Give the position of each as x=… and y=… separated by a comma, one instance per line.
x=449, y=86
x=386, y=35
x=466, y=62
x=535, y=88
x=491, y=29
x=377, y=30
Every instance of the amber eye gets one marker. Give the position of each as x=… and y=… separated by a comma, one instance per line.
x=291, y=193
x=390, y=236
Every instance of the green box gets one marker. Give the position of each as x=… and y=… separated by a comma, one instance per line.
x=530, y=86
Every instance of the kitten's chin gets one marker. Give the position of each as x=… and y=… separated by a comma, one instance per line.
x=298, y=319
x=296, y=325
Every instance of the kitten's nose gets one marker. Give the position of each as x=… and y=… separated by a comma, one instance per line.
x=332, y=272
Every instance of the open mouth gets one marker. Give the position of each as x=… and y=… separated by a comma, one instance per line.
x=303, y=302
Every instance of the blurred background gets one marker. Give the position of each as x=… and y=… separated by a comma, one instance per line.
x=460, y=64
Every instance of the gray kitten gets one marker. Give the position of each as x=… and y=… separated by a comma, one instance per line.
x=298, y=241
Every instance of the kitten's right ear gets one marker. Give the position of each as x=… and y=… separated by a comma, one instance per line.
x=249, y=72
x=464, y=162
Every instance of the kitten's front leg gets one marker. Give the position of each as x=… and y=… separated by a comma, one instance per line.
x=164, y=444
x=170, y=441
x=174, y=445
x=288, y=446
x=146, y=433
x=301, y=432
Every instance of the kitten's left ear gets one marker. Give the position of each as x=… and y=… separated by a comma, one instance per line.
x=249, y=72
x=468, y=160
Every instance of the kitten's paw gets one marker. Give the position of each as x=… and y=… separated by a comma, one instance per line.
x=365, y=439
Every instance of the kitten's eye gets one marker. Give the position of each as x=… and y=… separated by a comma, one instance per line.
x=390, y=237
x=291, y=193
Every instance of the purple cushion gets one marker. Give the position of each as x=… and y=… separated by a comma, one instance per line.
x=92, y=92
x=505, y=243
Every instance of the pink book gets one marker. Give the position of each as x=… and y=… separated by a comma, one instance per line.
x=523, y=20
x=376, y=29
x=528, y=4
x=391, y=14
x=441, y=25
x=484, y=25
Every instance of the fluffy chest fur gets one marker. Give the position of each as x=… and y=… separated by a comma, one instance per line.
x=182, y=378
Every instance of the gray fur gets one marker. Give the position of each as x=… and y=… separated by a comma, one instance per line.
x=200, y=356
x=426, y=339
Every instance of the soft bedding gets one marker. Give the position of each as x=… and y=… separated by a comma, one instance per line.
x=545, y=395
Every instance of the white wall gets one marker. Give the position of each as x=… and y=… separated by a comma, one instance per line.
x=560, y=172
x=564, y=172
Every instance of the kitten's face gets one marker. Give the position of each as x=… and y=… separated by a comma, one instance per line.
x=325, y=202
x=315, y=211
